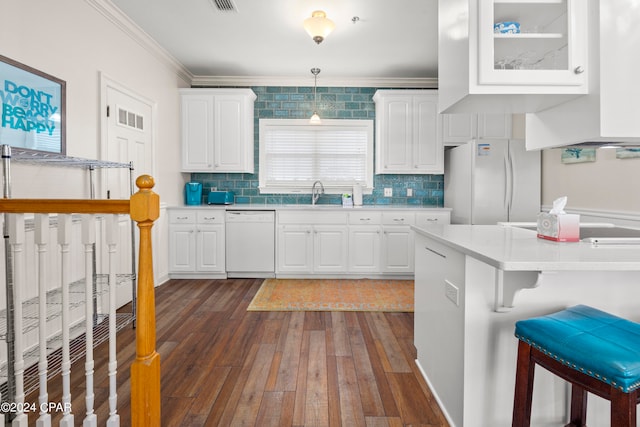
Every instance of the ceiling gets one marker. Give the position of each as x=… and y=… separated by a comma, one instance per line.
x=394, y=40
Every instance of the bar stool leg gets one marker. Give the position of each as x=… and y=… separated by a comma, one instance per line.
x=623, y=408
x=578, y=406
x=524, y=386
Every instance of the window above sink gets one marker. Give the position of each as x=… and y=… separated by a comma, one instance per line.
x=294, y=154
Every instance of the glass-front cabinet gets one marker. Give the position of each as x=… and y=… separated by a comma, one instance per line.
x=532, y=42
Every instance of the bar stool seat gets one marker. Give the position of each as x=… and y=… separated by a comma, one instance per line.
x=595, y=351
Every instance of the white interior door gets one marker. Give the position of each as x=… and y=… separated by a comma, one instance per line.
x=128, y=139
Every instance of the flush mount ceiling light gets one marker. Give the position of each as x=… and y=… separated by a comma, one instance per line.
x=318, y=26
x=315, y=118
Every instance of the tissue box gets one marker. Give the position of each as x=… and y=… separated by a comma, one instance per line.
x=559, y=228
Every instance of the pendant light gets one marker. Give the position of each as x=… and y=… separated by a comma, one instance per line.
x=315, y=118
x=318, y=26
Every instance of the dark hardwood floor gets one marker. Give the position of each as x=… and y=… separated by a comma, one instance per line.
x=225, y=366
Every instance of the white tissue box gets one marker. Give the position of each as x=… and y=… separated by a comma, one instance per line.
x=559, y=228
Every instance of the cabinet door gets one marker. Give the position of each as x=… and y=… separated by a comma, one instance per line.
x=210, y=248
x=295, y=249
x=395, y=133
x=182, y=248
x=330, y=248
x=494, y=126
x=364, y=248
x=428, y=154
x=197, y=133
x=231, y=135
x=398, y=249
x=458, y=128
x=548, y=48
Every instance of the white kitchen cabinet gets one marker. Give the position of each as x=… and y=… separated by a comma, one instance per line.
x=407, y=132
x=312, y=243
x=330, y=248
x=196, y=243
x=295, y=248
x=217, y=130
x=397, y=242
x=365, y=242
x=610, y=112
x=463, y=127
x=542, y=65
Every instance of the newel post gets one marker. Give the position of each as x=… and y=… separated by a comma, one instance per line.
x=145, y=370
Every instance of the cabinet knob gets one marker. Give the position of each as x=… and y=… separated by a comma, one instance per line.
x=578, y=70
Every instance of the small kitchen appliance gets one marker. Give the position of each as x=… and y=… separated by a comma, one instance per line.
x=221, y=198
x=193, y=193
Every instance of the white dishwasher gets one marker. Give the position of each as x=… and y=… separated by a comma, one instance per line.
x=250, y=243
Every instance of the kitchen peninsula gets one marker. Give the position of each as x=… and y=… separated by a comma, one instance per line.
x=473, y=282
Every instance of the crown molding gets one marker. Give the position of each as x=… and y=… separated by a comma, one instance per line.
x=377, y=82
x=110, y=11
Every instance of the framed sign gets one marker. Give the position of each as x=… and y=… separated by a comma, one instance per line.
x=33, y=108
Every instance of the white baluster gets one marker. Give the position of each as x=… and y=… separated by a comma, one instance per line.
x=41, y=237
x=64, y=240
x=89, y=239
x=112, y=242
x=16, y=233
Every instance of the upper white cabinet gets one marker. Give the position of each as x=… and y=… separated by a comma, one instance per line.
x=464, y=127
x=539, y=60
x=217, y=130
x=610, y=112
x=407, y=139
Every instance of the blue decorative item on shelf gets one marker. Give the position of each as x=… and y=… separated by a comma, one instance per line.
x=507, y=27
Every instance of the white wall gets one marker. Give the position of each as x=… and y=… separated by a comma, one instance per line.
x=74, y=41
x=608, y=184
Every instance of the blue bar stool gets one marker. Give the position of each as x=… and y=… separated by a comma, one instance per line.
x=595, y=351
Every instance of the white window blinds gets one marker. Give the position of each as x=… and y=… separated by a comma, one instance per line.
x=294, y=154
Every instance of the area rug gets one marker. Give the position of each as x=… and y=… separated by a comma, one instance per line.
x=334, y=295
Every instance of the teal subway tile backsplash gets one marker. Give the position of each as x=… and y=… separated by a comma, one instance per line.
x=285, y=102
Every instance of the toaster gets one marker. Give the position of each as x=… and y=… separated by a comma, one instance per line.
x=221, y=198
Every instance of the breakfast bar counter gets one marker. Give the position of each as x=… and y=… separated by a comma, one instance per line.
x=473, y=282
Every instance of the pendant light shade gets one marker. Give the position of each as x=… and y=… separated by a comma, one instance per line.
x=315, y=118
x=318, y=26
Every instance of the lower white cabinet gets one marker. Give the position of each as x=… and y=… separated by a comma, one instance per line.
x=364, y=242
x=311, y=243
x=354, y=243
x=196, y=243
x=397, y=242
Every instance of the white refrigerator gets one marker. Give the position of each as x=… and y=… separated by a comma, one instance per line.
x=490, y=181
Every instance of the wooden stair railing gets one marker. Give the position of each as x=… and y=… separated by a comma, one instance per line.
x=144, y=208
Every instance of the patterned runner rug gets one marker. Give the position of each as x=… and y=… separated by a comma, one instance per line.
x=334, y=295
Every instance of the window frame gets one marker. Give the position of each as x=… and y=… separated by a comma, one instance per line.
x=304, y=125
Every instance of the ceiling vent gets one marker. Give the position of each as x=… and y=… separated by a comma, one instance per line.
x=225, y=5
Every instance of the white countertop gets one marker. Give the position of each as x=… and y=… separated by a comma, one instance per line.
x=516, y=249
x=271, y=207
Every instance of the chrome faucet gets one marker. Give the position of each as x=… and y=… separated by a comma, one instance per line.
x=316, y=192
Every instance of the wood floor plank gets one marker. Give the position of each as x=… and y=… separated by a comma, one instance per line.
x=340, y=334
x=350, y=403
x=316, y=410
x=222, y=365
x=288, y=369
x=388, y=344
x=367, y=384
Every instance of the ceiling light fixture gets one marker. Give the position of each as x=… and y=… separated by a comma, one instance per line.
x=318, y=26
x=315, y=118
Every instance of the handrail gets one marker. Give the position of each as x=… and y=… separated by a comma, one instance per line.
x=144, y=208
x=65, y=206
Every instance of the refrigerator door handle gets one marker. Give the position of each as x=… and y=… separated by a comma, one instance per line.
x=507, y=182
x=508, y=165
x=512, y=182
